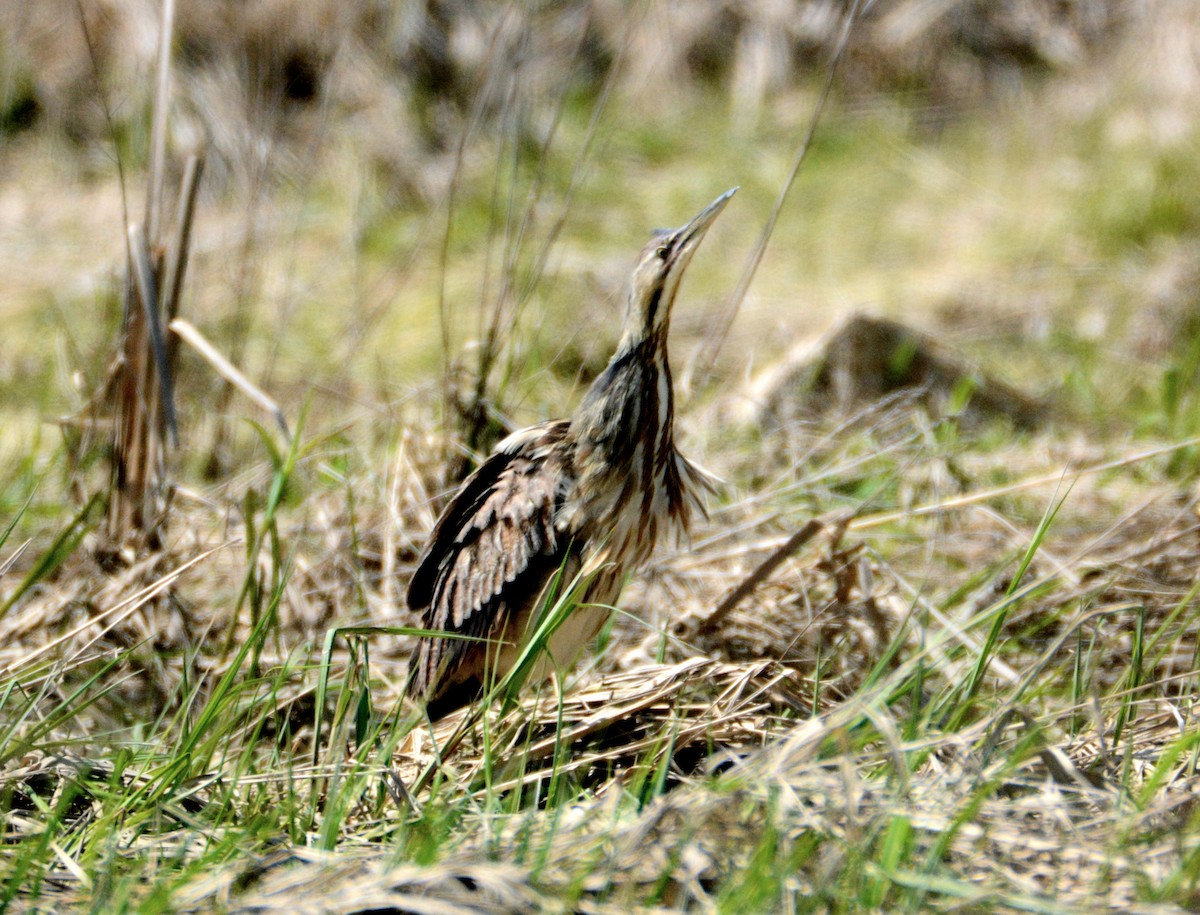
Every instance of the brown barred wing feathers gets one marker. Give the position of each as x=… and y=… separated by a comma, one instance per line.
x=488, y=559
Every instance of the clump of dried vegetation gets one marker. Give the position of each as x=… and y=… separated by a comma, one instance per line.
x=922, y=653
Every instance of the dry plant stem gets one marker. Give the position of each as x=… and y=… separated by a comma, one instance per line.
x=456, y=177
x=227, y=370
x=162, y=407
x=158, y=127
x=177, y=253
x=133, y=461
x=11, y=561
x=99, y=83
x=145, y=396
x=711, y=348
x=538, y=186
x=503, y=317
x=764, y=571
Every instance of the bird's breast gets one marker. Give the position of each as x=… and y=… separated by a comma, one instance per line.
x=618, y=517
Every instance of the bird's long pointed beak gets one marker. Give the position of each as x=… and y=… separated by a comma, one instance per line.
x=689, y=236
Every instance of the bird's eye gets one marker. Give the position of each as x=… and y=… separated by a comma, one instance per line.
x=661, y=252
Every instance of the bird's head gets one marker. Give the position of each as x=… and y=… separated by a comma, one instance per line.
x=660, y=269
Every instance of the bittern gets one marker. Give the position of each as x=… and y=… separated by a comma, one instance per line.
x=586, y=497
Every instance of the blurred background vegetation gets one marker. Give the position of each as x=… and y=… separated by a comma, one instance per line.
x=386, y=182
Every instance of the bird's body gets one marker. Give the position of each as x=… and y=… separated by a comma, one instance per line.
x=584, y=499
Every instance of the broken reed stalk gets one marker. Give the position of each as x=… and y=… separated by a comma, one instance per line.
x=144, y=390
x=146, y=366
x=132, y=464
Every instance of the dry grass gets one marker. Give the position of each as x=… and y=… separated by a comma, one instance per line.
x=817, y=743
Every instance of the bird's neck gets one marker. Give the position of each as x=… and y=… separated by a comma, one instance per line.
x=624, y=452
x=630, y=402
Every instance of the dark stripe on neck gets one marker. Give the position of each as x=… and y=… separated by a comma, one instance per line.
x=652, y=307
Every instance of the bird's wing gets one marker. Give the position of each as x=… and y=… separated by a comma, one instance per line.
x=496, y=534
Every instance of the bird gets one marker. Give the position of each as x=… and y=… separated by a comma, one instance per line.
x=581, y=500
